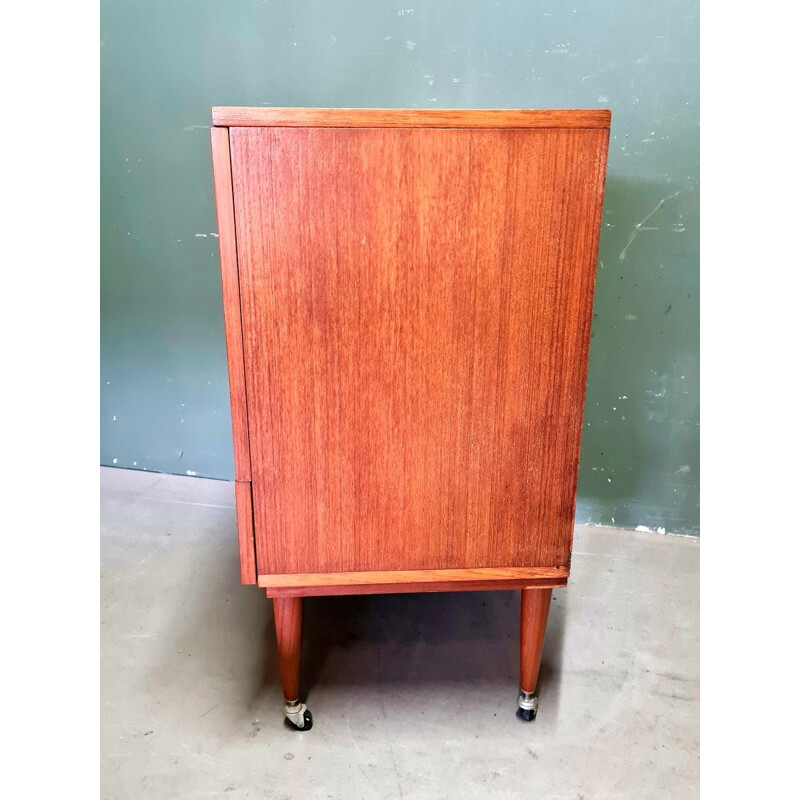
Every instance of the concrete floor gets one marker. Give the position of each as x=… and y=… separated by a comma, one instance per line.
x=413, y=696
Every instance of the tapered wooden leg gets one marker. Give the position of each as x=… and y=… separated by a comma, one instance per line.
x=533, y=623
x=289, y=629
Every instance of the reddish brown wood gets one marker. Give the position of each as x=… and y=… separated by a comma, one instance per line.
x=244, y=523
x=220, y=152
x=323, y=590
x=417, y=308
x=289, y=629
x=452, y=576
x=535, y=606
x=415, y=118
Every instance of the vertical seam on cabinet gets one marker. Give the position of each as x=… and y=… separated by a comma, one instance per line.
x=244, y=361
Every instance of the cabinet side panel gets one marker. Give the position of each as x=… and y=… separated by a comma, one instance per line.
x=244, y=523
x=229, y=271
x=416, y=307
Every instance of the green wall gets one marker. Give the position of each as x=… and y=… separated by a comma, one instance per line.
x=164, y=64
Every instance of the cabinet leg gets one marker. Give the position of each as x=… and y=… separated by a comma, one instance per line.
x=533, y=622
x=289, y=629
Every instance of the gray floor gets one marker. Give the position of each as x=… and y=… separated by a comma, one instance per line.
x=413, y=695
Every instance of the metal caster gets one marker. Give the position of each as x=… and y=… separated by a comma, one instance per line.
x=298, y=717
x=528, y=706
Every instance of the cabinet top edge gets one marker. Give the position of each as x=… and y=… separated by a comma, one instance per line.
x=237, y=116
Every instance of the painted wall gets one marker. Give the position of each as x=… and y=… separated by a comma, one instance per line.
x=164, y=381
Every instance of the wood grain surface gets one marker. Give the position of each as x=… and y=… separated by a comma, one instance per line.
x=406, y=117
x=416, y=307
x=413, y=576
x=244, y=525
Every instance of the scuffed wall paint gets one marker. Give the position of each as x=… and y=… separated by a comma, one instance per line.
x=164, y=386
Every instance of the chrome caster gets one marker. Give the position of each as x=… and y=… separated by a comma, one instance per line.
x=298, y=717
x=528, y=706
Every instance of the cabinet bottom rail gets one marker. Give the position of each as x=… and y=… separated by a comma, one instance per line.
x=403, y=581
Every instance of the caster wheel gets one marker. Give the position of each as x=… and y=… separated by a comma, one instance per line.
x=308, y=721
x=527, y=706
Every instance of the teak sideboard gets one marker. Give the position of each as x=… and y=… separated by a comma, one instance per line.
x=407, y=299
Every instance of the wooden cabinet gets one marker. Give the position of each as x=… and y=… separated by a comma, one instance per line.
x=408, y=302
